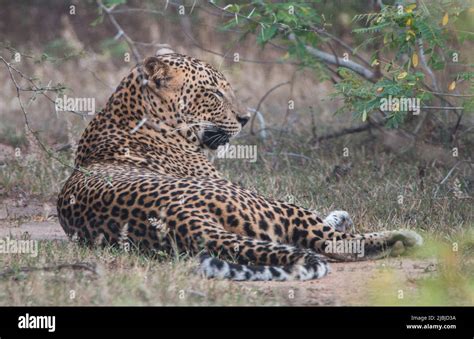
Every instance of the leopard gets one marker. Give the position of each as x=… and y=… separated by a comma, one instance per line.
x=142, y=177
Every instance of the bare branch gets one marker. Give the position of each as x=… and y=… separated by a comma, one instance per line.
x=135, y=10
x=262, y=99
x=35, y=88
x=333, y=60
x=342, y=44
x=25, y=115
x=261, y=121
x=120, y=31
x=445, y=178
x=427, y=68
x=198, y=45
x=451, y=94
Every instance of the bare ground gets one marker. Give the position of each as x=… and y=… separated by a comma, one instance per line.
x=347, y=284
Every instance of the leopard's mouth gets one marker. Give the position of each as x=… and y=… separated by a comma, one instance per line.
x=214, y=137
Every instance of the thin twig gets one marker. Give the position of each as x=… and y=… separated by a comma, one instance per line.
x=262, y=99
x=445, y=178
x=198, y=45
x=91, y=267
x=25, y=116
x=120, y=31
x=36, y=88
x=342, y=44
x=434, y=81
x=451, y=94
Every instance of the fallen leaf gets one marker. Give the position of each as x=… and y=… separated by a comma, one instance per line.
x=445, y=19
x=410, y=8
x=414, y=59
x=452, y=86
x=402, y=75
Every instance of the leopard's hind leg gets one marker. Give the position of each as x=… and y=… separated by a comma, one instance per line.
x=227, y=255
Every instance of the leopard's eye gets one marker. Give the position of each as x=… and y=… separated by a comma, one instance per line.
x=218, y=94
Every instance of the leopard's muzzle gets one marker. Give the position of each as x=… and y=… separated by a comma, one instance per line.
x=215, y=137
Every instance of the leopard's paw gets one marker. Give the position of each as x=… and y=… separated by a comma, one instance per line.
x=400, y=240
x=408, y=237
x=340, y=220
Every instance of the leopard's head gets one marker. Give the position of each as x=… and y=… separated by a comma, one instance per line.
x=187, y=91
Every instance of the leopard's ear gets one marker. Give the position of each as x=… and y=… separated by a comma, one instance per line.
x=156, y=70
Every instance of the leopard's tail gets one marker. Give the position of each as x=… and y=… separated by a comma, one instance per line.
x=311, y=266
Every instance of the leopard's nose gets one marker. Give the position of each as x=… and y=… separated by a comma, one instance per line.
x=243, y=120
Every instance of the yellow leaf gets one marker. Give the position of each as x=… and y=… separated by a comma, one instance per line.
x=364, y=115
x=414, y=59
x=395, y=106
x=410, y=8
x=452, y=86
x=379, y=90
x=409, y=22
x=375, y=63
x=445, y=19
x=402, y=75
x=385, y=39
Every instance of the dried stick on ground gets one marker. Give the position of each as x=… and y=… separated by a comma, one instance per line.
x=91, y=267
x=342, y=132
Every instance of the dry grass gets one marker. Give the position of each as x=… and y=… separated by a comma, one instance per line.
x=369, y=190
x=380, y=191
x=120, y=279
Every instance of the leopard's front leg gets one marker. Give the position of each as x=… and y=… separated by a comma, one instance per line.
x=333, y=237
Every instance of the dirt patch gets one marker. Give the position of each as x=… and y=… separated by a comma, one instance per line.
x=6, y=152
x=347, y=284
x=37, y=230
x=35, y=220
x=23, y=207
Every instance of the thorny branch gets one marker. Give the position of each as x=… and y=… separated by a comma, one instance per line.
x=364, y=69
x=324, y=56
x=120, y=32
x=25, y=115
x=37, y=91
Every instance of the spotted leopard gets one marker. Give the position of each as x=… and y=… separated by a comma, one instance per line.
x=142, y=177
